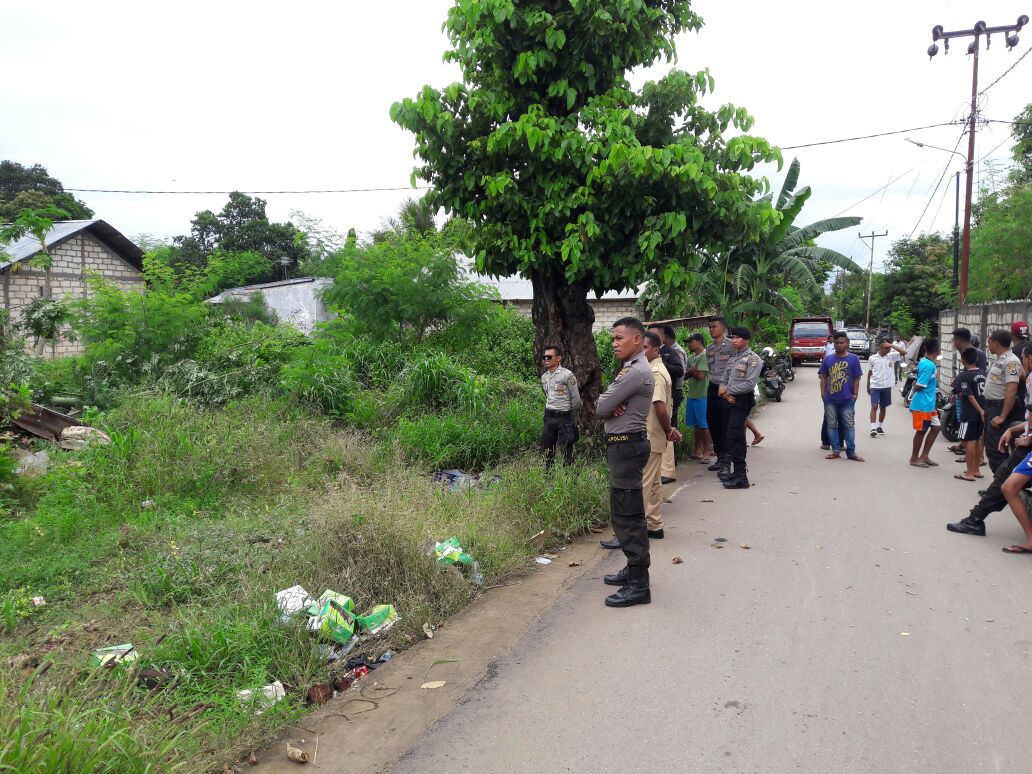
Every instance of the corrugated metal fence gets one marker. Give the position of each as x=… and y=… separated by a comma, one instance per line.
x=981, y=320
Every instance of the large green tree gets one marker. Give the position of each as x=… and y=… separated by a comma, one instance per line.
x=241, y=227
x=917, y=278
x=33, y=188
x=570, y=177
x=1001, y=247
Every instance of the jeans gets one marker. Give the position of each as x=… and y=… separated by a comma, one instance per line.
x=841, y=426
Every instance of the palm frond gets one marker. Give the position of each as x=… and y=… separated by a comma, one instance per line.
x=803, y=235
x=835, y=258
x=789, y=214
x=789, y=185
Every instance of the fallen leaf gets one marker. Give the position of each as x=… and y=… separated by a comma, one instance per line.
x=550, y=556
x=428, y=631
x=677, y=560
x=253, y=759
x=438, y=662
x=433, y=684
x=596, y=530
x=575, y=563
x=911, y=593
x=990, y=620
x=667, y=500
x=746, y=546
x=716, y=545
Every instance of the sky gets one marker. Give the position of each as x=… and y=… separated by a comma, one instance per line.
x=262, y=96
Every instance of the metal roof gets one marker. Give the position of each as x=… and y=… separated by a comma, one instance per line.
x=246, y=290
x=26, y=247
x=518, y=288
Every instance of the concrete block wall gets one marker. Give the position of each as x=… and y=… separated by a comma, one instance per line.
x=981, y=320
x=75, y=260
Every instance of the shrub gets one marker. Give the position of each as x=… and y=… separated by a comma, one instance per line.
x=435, y=381
x=320, y=379
x=501, y=344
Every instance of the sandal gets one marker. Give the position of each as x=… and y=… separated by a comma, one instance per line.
x=856, y=458
x=919, y=464
x=962, y=477
x=1016, y=550
x=757, y=439
x=931, y=463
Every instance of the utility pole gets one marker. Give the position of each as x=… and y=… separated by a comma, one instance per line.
x=870, y=274
x=1011, y=39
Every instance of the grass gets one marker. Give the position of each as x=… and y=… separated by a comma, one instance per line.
x=177, y=535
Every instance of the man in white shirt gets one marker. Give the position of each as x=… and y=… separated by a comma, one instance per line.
x=881, y=375
x=900, y=346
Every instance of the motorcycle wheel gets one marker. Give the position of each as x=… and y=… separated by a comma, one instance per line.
x=777, y=396
x=790, y=375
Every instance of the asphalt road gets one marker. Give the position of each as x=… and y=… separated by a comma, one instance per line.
x=854, y=634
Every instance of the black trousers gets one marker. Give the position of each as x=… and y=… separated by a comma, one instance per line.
x=626, y=502
x=737, y=413
x=993, y=500
x=716, y=418
x=677, y=401
x=993, y=434
x=558, y=429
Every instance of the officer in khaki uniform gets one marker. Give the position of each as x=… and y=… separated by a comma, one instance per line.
x=1002, y=407
x=625, y=409
x=659, y=429
x=736, y=390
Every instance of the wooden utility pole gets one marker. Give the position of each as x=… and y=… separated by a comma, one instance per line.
x=870, y=274
x=1011, y=39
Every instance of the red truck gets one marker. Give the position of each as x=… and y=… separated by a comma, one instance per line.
x=807, y=337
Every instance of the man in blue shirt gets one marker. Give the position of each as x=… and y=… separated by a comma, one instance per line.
x=840, y=374
x=922, y=406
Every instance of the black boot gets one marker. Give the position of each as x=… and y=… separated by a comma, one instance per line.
x=636, y=592
x=725, y=474
x=613, y=542
x=617, y=579
x=717, y=465
x=737, y=482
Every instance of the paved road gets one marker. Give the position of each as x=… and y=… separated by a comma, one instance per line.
x=855, y=634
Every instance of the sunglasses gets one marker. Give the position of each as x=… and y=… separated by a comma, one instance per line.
x=546, y=357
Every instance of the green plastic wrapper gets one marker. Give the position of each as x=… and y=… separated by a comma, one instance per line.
x=333, y=616
x=450, y=553
x=120, y=655
x=379, y=619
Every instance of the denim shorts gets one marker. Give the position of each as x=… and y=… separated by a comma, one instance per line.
x=881, y=396
x=695, y=413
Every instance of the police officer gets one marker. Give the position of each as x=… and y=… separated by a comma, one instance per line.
x=625, y=408
x=675, y=359
x=717, y=356
x=736, y=391
x=562, y=402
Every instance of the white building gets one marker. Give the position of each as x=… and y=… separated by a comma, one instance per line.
x=297, y=302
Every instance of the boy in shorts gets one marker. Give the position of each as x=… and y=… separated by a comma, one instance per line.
x=881, y=375
x=922, y=406
x=969, y=387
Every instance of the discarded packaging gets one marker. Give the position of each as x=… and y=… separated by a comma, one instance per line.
x=114, y=655
x=80, y=436
x=428, y=630
x=292, y=601
x=147, y=504
x=379, y=619
x=538, y=541
x=677, y=560
x=542, y=560
x=387, y=656
x=38, y=602
x=450, y=552
x=333, y=616
x=296, y=754
x=433, y=684
x=320, y=694
x=269, y=695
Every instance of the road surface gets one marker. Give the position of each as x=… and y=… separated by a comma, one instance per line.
x=855, y=634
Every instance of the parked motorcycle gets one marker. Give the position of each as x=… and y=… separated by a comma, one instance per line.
x=783, y=364
x=946, y=405
x=907, y=390
x=772, y=381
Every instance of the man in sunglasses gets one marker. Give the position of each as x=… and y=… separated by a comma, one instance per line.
x=562, y=402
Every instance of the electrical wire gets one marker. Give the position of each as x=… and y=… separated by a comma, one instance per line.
x=259, y=193
x=875, y=192
x=1005, y=72
x=865, y=136
x=941, y=178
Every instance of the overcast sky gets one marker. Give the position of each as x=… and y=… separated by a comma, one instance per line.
x=264, y=96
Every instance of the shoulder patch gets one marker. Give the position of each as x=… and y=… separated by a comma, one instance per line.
x=622, y=372
x=1012, y=369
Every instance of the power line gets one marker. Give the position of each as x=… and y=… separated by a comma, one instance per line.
x=876, y=192
x=258, y=193
x=1005, y=72
x=941, y=178
x=866, y=136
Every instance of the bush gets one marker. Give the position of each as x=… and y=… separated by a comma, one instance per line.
x=320, y=379
x=457, y=440
x=436, y=381
x=501, y=344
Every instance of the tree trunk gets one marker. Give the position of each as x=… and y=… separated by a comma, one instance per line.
x=563, y=316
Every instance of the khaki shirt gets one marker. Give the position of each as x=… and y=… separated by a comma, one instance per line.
x=743, y=371
x=560, y=388
x=632, y=387
x=662, y=392
x=717, y=357
x=1004, y=370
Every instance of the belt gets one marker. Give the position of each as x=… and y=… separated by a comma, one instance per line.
x=556, y=413
x=625, y=437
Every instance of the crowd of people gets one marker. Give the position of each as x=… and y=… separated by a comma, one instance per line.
x=715, y=383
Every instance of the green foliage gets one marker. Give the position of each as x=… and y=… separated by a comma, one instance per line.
x=405, y=285
x=1001, y=247
x=435, y=381
x=32, y=188
x=499, y=344
x=1021, y=132
x=43, y=317
x=457, y=440
x=901, y=319
x=317, y=377
x=918, y=277
x=241, y=227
